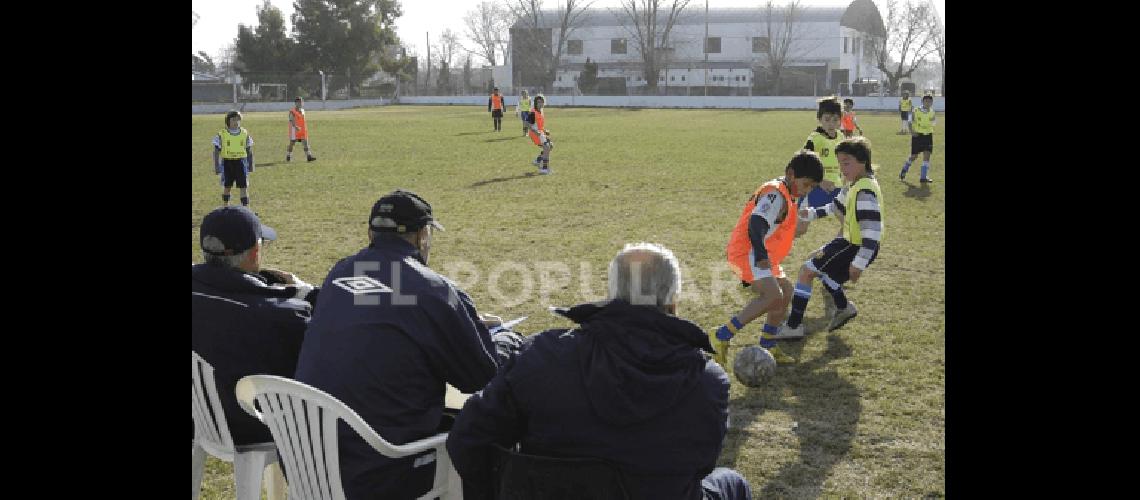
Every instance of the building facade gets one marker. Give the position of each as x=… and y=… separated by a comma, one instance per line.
x=830, y=48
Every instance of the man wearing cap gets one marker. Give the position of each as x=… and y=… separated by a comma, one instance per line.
x=245, y=319
x=387, y=334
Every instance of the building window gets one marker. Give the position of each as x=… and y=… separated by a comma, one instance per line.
x=712, y=45
x=617, y=46
x=855, y=45
x=672, y=78
x=759, y=45
x=574, y=47
x=682, y=78
x=844, y=45
x=560, y=78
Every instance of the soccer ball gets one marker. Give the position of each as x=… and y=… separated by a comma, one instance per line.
x=754, y=366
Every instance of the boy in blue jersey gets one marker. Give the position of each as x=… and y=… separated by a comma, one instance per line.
x=233, y=157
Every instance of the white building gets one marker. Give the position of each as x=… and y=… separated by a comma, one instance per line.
x=830, y=47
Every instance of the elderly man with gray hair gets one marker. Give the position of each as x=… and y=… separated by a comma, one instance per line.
x=629, y=385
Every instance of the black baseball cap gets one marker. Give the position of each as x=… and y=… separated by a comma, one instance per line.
x=232, y=230
x=401, y=211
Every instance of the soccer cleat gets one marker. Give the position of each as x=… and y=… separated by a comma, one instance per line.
x=926, y=181
x=902, y=175
x=288, y=157
x=786, y=332
x=779, y=356
x=842, y=316
x=544, y=171
x=311, y=158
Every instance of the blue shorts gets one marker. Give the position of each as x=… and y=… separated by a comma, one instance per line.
x=818, y=198
x=525, y=115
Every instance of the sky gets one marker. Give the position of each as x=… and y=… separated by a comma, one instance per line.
x=216, y=27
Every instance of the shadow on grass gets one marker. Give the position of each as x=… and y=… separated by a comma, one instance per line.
x=503, y=179
x=501, y=139
x=475, y=133
x=919, y=192
x=270, y=164
x=826, y=413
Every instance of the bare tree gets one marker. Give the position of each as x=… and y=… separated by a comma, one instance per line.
x=786, y=42
x=938, y=34
x=487, y=27
x=649, y=23
x=447, y=46
x=909, y=40
x=544, y=52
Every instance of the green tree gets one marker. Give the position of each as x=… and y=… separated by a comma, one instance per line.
x=202, y=63
x=267, y=47
x=588, y=81
x=343, y=36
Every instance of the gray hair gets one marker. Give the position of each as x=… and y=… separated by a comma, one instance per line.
x=645, y=274
x=230, y=261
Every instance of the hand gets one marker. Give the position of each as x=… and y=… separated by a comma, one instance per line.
x=218, y=168
x=490, y=320
x=854, y=273
x=805, y=213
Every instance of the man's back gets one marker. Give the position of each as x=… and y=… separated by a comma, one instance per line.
x=241, y=326
x=629, y=386
x=387, y=353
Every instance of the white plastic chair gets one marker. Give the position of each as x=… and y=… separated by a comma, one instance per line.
x=212, y=435
x=303, y=421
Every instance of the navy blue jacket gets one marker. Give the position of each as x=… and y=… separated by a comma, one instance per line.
x=629, y=385
x=243, y=326
x=388, y=360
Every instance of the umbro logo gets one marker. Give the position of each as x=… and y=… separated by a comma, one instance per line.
x=360, y=285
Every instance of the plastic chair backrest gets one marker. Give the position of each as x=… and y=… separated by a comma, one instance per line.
x=525, y=476
x=210, y=428
x=303, y=422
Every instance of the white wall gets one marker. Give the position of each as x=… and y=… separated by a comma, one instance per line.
x=729, y=102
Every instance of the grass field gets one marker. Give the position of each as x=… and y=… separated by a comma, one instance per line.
x=861, y=415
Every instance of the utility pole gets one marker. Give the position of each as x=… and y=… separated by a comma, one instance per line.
x=706, y=44
x=427, y=41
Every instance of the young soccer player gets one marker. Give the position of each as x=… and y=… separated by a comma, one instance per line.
x=762, y=237
x=823, y=140
x=524, y=110
x=904, y=113
x=860, y=207
x=922, y=123
x=233, y=157
x=495, y=106
x=298, y=130
x=540, y=135
x=849, y=124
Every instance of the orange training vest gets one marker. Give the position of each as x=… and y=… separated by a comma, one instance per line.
x=299, y=119
x=778, y=244
x=496, y=101
x=539, y=122
x=848, y=123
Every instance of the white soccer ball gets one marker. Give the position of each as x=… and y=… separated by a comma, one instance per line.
x=754, y=366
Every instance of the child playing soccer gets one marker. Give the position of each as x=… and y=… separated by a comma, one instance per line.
x=859, y=205
x=524, y=110
x=495, y=106
x=763, y=236
x=540, y=135
x=849, y=125
x=922, y=123
x=298, y=130
x=234, y=146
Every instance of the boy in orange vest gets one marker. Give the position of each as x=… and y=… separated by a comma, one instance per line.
x=298, y=131
x=847, y=124
x=762, y=237
x=539, y=134
x=495, y=106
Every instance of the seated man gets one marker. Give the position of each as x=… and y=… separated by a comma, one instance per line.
x=387, y=334
x=244, y=320
x=630, y=385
